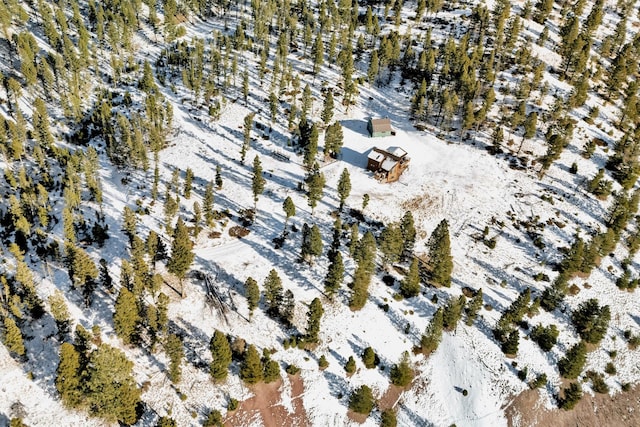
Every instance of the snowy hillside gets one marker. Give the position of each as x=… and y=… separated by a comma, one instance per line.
x=122, y=121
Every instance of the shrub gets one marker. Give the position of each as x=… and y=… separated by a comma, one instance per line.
x=214, y=419
x=292, y=370
x=540, y=381
x=571, y=365
x=232, y=405
x=597, y=382
x=610, y=368
x=323, y=363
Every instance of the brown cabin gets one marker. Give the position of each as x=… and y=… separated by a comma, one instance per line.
x=387, y=165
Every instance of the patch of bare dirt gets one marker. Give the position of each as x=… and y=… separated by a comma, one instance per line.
x=266, y=406
x=620, y=410
x=390, y=397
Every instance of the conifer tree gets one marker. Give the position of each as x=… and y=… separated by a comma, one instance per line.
x=572, y=396
x=271, y=371
x=408, y=230
x=335, y=275
x=361, y=400
x=12, y=337
x=221, y=356
x=401, y=373
x=60, y=313
x=440, y=255
x=410, y=285
x=474, y=306
x=258, y=181
x=369, y=358
x=510, y=346
x=287, y=308
x=327, y=109
x=571, y=365
x=207, y=204
x=452, y=313
x=126, y=317
x=333, y=140
x=313, y=321
x=251, y=368
x=591, y=321
x=246, y=142
x=188, y=182
x=311, y=243
x=68, y=376
x=273, y=292
x=181, y=253
x=344, y=187
x=350, y=366
x=175, y=352
x=390, y=243
x=433, y=334
x=315, y=187
x=252, y=292
x=218, y=177
x=289, y=209
x=110, y=388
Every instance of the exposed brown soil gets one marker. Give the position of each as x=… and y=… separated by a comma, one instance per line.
x=620, y=410
x=266, y=406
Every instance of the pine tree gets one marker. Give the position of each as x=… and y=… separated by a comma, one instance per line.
x=440, y=255
x=68, y=376
x=289, y=209
x=361, y=400
x=60, y=313
x=13, y=337
x=350, y=366
x=510, y=346
x=401, y=373
x=188, y=182
x=287, y=308
x=591, y=321
x=252, y=292
x=315, y=187
x=271, y=371
x=474, y=306
x=126, y=317
x=452, y=313
x=344, y=187
x=175, y=352
x=313, y=321
x=110, y=388
x=105, y=279
x=369, y=358
x=251, y=368
x=571, y=365
x=258, y=181
x=273, y=292
x=221, y=356
x=390, y=243
x=335, y=275
x=181, y=253
x=218, y=177
x=207, y=204
x=333, y=140
x=410, y=286
x=408, y=230
x=388, y=417
x=246, y=142
x=327, y=109
x=433, y=334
